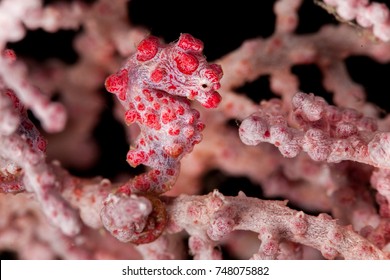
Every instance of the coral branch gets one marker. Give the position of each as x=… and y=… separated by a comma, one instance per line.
x=14, y=75
x=375, y=16
x=25, y=168
x=325, y=132
x=212, y=218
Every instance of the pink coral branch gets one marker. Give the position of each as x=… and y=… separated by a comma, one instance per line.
x=52, y=115
x=213, y=217
x=380, y=180
x=39, y=179
x=325, y=132
x=375, y=16
x=9, y=119
x=22, y=153
x=56, y=16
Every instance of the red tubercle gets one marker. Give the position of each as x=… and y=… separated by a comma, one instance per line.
x=191, y=120
x=141, y=107
x=186, y=63
x=170, y=172
x=137, y=98
x=175, y=130
x=135, y=158
x=167, y=115
x=118, y=83
x=141, y=183
x=188, y=132
x=41, y=144
x=10, y=55
x=155, y=175
x=159, y=94
x=147, y=93
x=131, y=116
x=211, y=75
x=154, y=178
x=174, y=150
x=124, y=189
x=15, y=187
x=142, y=142
x=172, y=87
x=200, y=126
x=151, y=119
x=180, y=110
x=192, y=95
x=216, y=86
x=196, y=113
x=157, y=75
x=217, y=69
x=172, y=99
x=147, y=49
x=188, y=43
x=213, y=100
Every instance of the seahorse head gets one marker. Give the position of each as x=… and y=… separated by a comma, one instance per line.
x=181, y=69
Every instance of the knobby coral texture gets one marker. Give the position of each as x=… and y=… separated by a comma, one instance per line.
x=146, y=130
